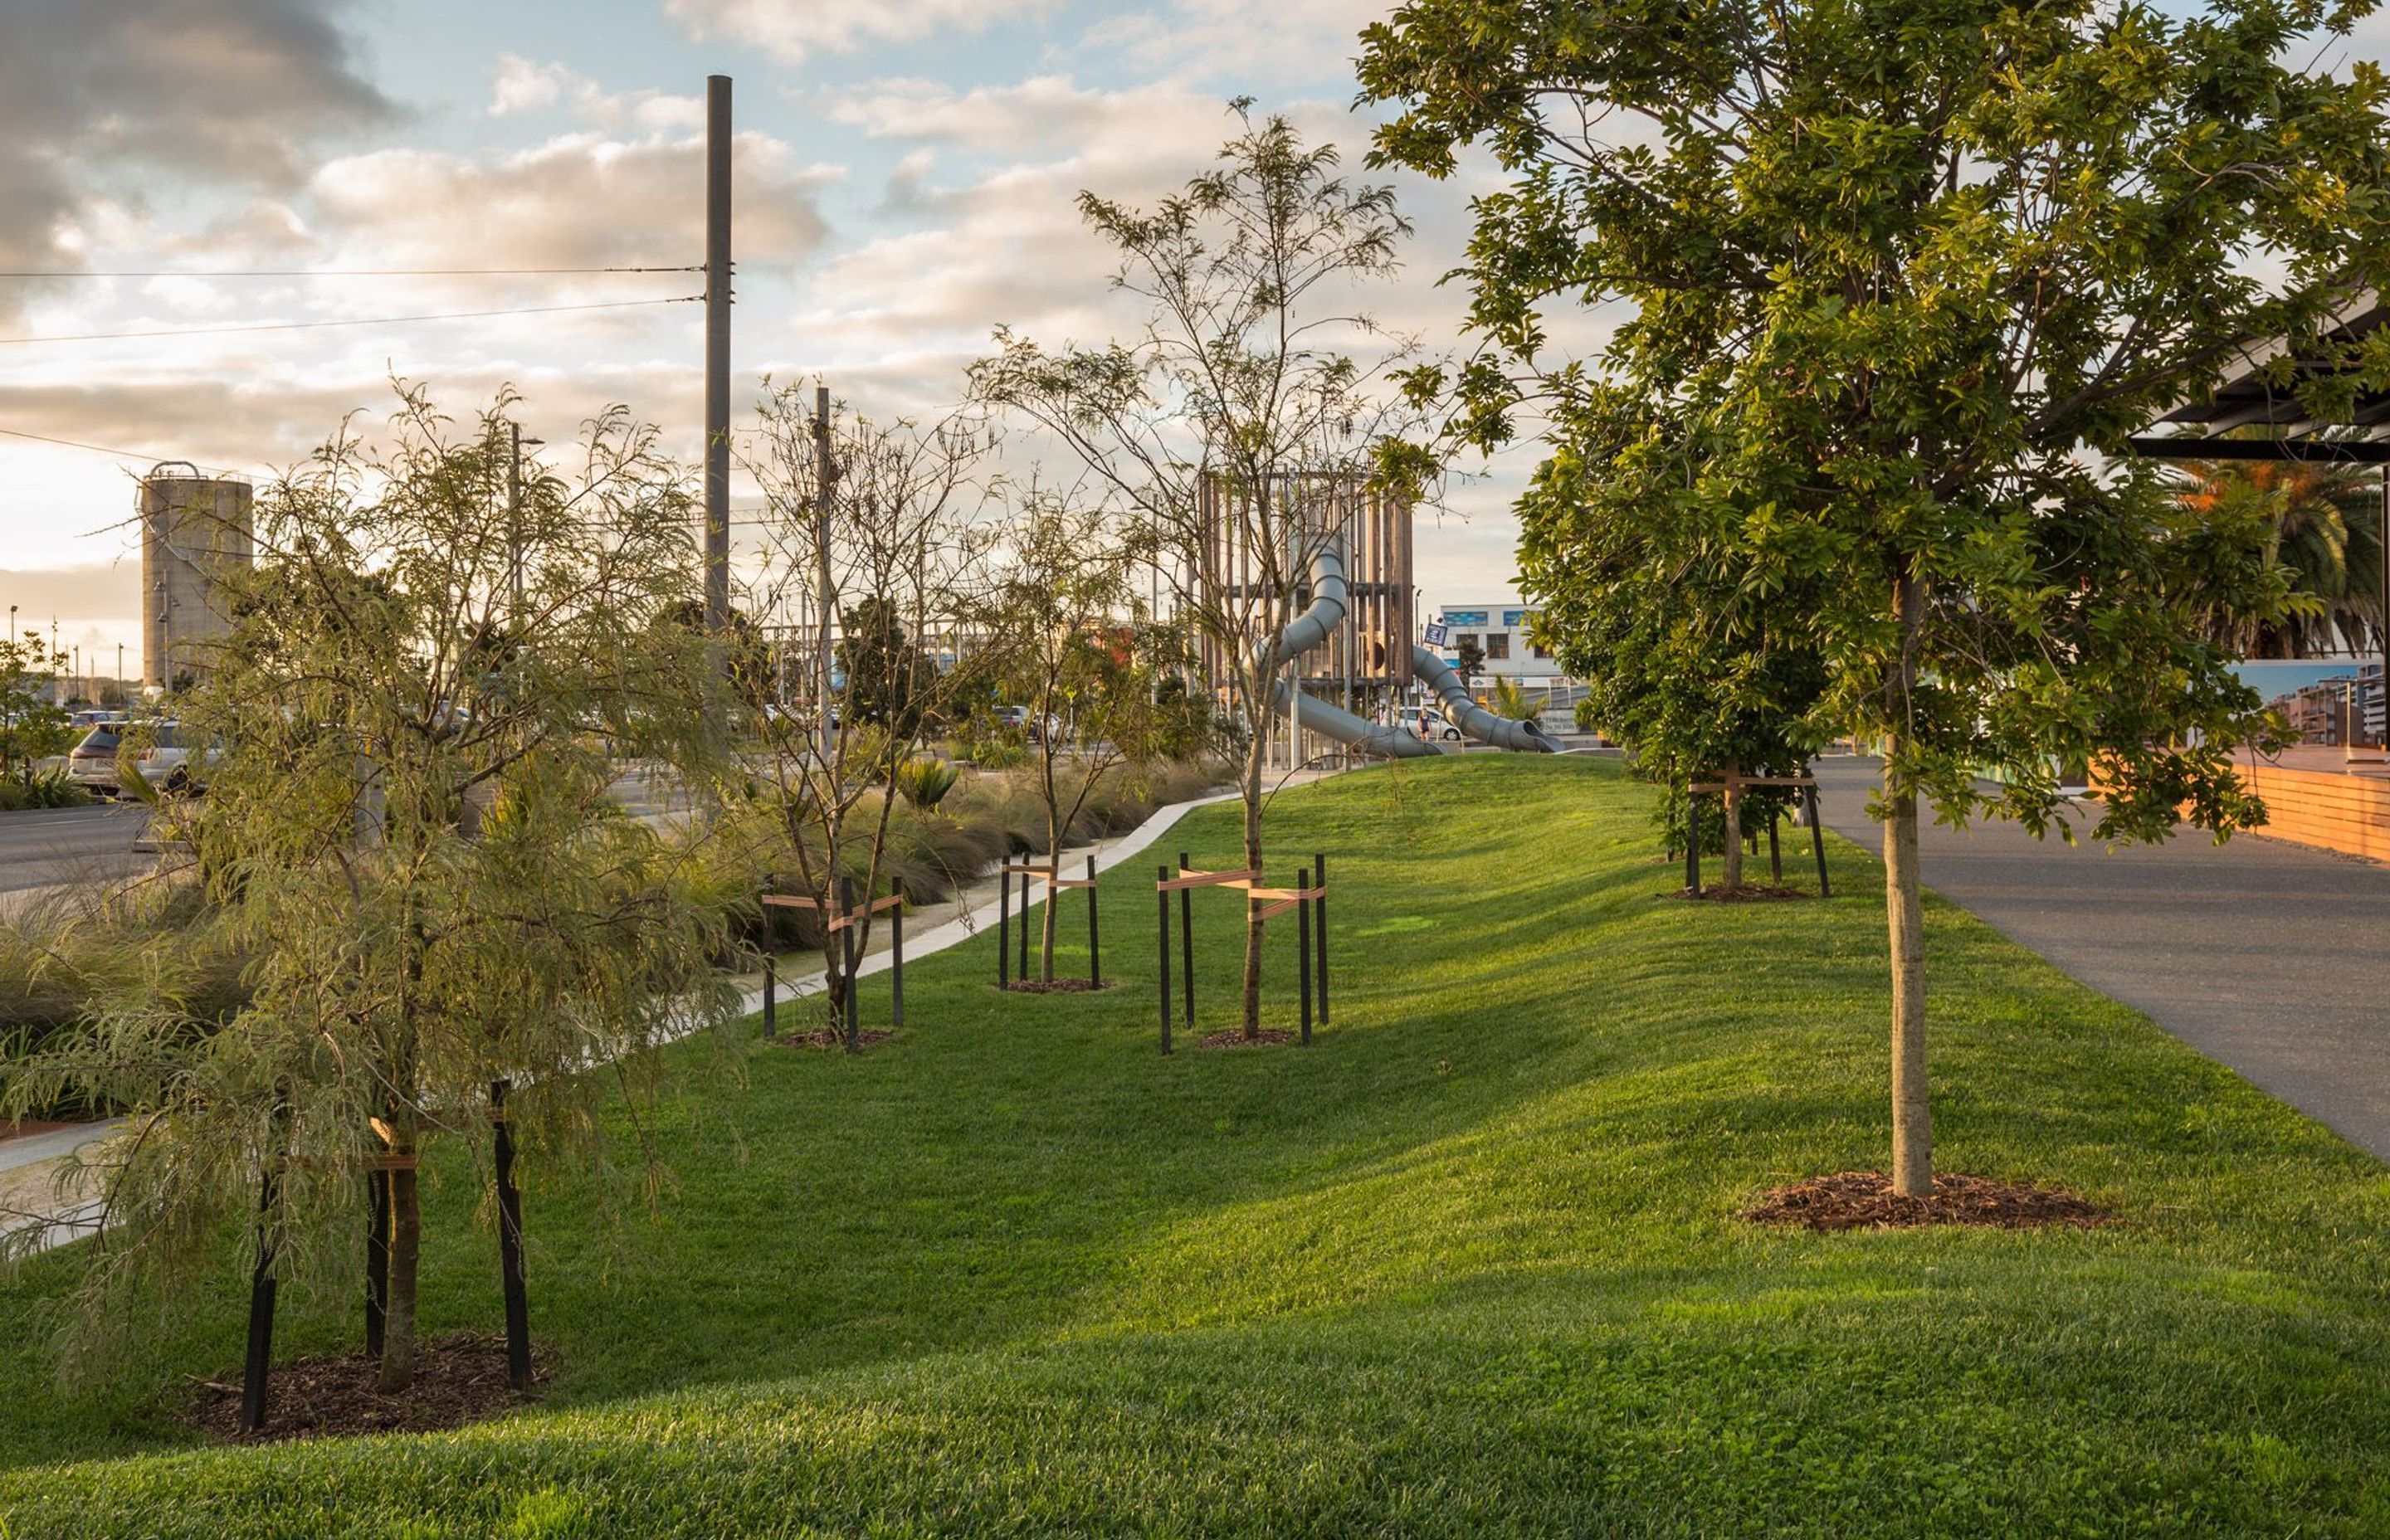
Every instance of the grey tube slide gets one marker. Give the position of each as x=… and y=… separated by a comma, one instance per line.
x=1315, y=624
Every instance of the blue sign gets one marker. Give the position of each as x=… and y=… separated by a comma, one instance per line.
x=1436, y=633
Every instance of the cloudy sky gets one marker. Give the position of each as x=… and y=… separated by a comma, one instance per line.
x=905, y=170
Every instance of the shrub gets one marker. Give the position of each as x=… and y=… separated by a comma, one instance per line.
x=27, y=789
x=924, y=782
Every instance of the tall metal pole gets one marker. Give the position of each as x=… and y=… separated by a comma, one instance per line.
x=717, y=364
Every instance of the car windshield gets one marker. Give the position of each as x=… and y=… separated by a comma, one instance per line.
x=99, y=741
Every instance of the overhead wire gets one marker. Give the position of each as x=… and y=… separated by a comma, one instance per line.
x=121, y=454
x=358, y=321
x=331, y=272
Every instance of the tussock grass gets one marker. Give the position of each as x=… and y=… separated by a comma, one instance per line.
x=1466, y=1266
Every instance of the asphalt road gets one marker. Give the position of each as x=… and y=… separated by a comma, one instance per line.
x=2268, y=957
x=45, y=848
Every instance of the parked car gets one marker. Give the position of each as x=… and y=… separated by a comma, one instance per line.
x=165, y=759
x=91, y=763
x=1428, y=723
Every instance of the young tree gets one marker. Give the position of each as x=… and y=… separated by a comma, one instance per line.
x=879, y=524
x=1468, y=661
x=1884, y=274
x=406, y=828
x=31, y=725
x=1234, y=422
x=1066, y=607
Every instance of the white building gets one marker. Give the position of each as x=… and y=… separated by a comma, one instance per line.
x=1500, y=631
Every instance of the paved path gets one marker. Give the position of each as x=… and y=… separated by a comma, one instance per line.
x=2270, y=957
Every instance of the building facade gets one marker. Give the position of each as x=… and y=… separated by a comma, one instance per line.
x=1504, y=633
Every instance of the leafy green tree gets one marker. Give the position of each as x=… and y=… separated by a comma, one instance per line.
x=1882, y=272
x=1468, y=661
x=889, y=679
x=408, y=830
x=31, y=725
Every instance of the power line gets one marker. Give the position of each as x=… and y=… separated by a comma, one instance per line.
x=332, y=271
x=365, y=321
x=103, y=449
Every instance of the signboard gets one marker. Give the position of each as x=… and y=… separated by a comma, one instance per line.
x=1436, y=633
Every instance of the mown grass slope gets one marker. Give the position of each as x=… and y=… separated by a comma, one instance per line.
x=1469, y=1266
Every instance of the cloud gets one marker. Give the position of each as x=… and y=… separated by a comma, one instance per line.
x=519, y=87
x=578, y=200
x=788, y=30
x=1245, y=42
x=98, y=96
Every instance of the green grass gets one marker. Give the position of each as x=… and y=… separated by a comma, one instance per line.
x=1466, y=1266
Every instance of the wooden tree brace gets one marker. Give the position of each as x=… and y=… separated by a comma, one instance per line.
x=837, y=922
x=1208, y=879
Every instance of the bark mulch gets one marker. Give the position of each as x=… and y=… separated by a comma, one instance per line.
x=1864, y=1200
x=830, y=1038
x=1059, y=986
x=1235, y=1038
x=458, y=1380
x=1749, y=892
x=28, y=1128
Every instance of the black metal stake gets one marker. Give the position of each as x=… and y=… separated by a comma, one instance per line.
x=896, y=963
x=846, y=948
x=1095, y=956
x=1775, y=856
x=261, y=1315
x=771, y=994
x=510, y=1249
x=1004, y=927
x=1693, y=844
x=1303, y=948
x=377, y=1261
x=1187, y=941
x=1319, y=928
x=1162, y=933
x=1021, y=968
x=1818, y=842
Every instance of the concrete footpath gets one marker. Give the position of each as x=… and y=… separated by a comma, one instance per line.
x=2271, y=959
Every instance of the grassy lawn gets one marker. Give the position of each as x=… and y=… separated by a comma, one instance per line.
x=1466, y=1266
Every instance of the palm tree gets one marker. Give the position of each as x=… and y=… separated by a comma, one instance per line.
x=2322, y=519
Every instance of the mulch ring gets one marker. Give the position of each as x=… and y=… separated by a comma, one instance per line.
x=1058, y=986
x=1747, y=892
x=1864, y=1200
x=458, y=1380
x=830, y=1038
x=1235, y=1038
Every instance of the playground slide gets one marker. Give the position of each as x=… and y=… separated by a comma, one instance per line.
x=1318, y=622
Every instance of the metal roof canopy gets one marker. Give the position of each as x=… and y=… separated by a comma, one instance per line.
x=2245, y=398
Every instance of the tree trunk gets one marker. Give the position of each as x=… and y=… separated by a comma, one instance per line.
x=1053, y=899
x=1912, y=1121
x=1252, y=999
x=1731, y=876
x=406, y=1238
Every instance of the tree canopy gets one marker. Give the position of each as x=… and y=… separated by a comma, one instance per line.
x=1892, y=281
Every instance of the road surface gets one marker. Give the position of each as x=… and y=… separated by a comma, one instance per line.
x=2270, y=957
x=45, y=848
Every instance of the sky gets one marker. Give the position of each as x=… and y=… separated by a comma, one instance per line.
x=904, y=178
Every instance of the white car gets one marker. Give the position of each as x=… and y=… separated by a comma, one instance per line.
x=1428, y=723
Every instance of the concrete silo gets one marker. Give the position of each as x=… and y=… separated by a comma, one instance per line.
x=195, y=535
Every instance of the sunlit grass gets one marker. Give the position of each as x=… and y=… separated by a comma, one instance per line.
x=1467, y=1265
